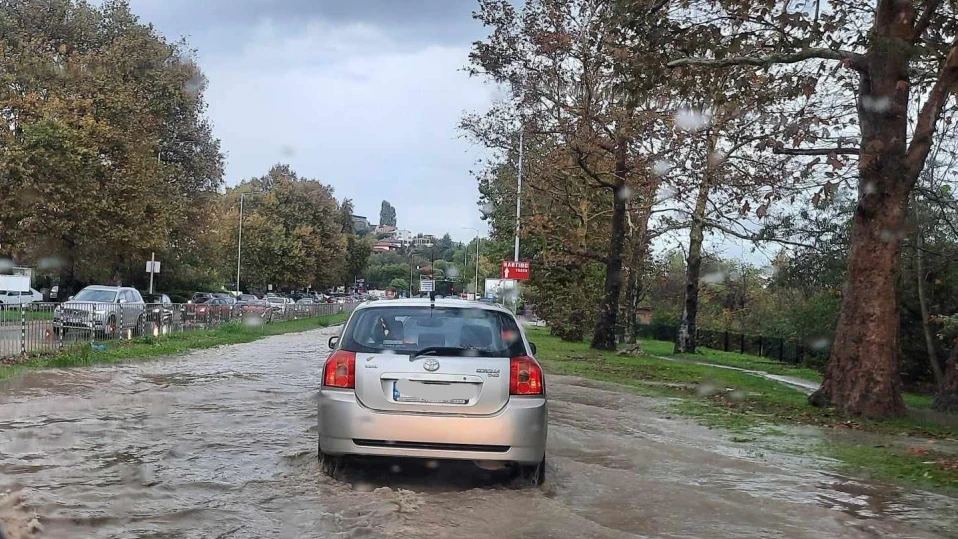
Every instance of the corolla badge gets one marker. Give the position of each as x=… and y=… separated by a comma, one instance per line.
x=431, y=365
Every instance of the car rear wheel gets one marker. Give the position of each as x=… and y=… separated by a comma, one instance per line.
x=531, y=475
x=109, y=329
x=330, y=464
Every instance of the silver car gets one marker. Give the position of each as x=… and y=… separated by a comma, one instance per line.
x=105, y=310
x=449, y=379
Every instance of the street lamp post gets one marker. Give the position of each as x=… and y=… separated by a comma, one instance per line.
x=478, y=241
x=239, y=245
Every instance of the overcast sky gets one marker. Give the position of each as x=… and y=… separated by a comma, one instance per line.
x=364, y=95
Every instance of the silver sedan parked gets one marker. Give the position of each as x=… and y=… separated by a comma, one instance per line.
x=448, y=379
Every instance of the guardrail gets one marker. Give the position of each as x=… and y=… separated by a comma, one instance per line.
x=40, y=328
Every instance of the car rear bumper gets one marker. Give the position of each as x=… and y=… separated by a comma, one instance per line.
x=517, y=433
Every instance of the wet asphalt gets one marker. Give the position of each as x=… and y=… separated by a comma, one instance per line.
x=221, y=443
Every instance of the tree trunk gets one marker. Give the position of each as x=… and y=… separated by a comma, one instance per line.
x=685, y=339
x=861, y=376
x=947, y=398
x=923, y=303
x=603, y=338
x=640, y=248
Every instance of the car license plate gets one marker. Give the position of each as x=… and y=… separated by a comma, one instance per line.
x=414, y=392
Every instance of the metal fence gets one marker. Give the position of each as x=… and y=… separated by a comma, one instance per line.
x=49, y=327
x=794, y=351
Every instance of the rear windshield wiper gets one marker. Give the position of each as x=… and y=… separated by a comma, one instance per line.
x=433, y=350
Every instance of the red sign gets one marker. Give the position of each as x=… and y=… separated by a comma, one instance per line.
x=518, y=271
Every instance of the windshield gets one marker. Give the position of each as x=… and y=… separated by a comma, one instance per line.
x=96, y=295
x=450, y=330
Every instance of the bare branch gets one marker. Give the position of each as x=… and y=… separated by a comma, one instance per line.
x=930, y=112
x=922, y=24
x=816, y=151
x=755, y=238
x=584, y=253
x=856, y=61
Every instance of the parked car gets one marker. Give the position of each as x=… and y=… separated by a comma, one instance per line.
x=443, y=380
x=200, y=297
x=104, y=310
x=16, y=297
x=159, y=309
x=279, y=304
x=256, y=307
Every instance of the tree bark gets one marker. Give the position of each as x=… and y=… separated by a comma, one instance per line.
x=946, y=400
x=685, y=339
x=640, y=248
x=603, y=338
x=923, y=304
x=861, y=376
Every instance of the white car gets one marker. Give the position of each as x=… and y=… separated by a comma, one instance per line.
x=449, y=379
x=13, y=297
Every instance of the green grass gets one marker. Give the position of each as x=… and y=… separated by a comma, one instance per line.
x=12, y=315
x=150, y=347
x=921, y=467
x=744, y=404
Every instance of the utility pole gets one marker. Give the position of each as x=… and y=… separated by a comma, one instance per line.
x=519, y=194
x=152, y=268
x=239, y=244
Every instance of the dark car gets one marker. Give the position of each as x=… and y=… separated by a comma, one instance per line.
x=201, y=297
x=159, y=310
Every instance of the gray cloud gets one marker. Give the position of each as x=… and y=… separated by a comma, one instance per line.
x=363, y=95
x=435, y=21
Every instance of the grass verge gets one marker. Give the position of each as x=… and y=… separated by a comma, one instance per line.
x=747, y=405
x=148, y=347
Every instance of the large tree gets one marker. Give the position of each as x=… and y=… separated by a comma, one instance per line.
x=900, y=61
x=387, y=214
x=560, y=59
x=105, y=153
x=292, y=231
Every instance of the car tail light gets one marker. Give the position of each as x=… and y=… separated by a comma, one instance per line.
x=525, y=376
x=340, y=370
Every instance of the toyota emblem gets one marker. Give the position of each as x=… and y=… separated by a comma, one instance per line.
x=431, y=365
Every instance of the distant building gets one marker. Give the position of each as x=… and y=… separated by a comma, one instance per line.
x=360, y=223
x=385, y=229
x=404, y=236
x=424, y=240
x=384, y=245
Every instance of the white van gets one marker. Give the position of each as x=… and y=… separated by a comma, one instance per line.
x=14, y=297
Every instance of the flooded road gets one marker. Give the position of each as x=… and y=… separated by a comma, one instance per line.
x=221, y=444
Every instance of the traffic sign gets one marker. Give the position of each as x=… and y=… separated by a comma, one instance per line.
x=427, y=285
x=152, y=266
x=517, y=270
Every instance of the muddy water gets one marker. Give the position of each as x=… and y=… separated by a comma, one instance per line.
x=221, y=444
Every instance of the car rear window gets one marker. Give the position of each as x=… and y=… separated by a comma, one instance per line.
x=454, y=330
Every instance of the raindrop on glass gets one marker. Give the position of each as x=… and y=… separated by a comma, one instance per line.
x=820, y=343
x=713, y=277
x=395, y=468
x=49, y=263
x=706, y=389
x=876, y=104
x=692, y=120
x=661, y=167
